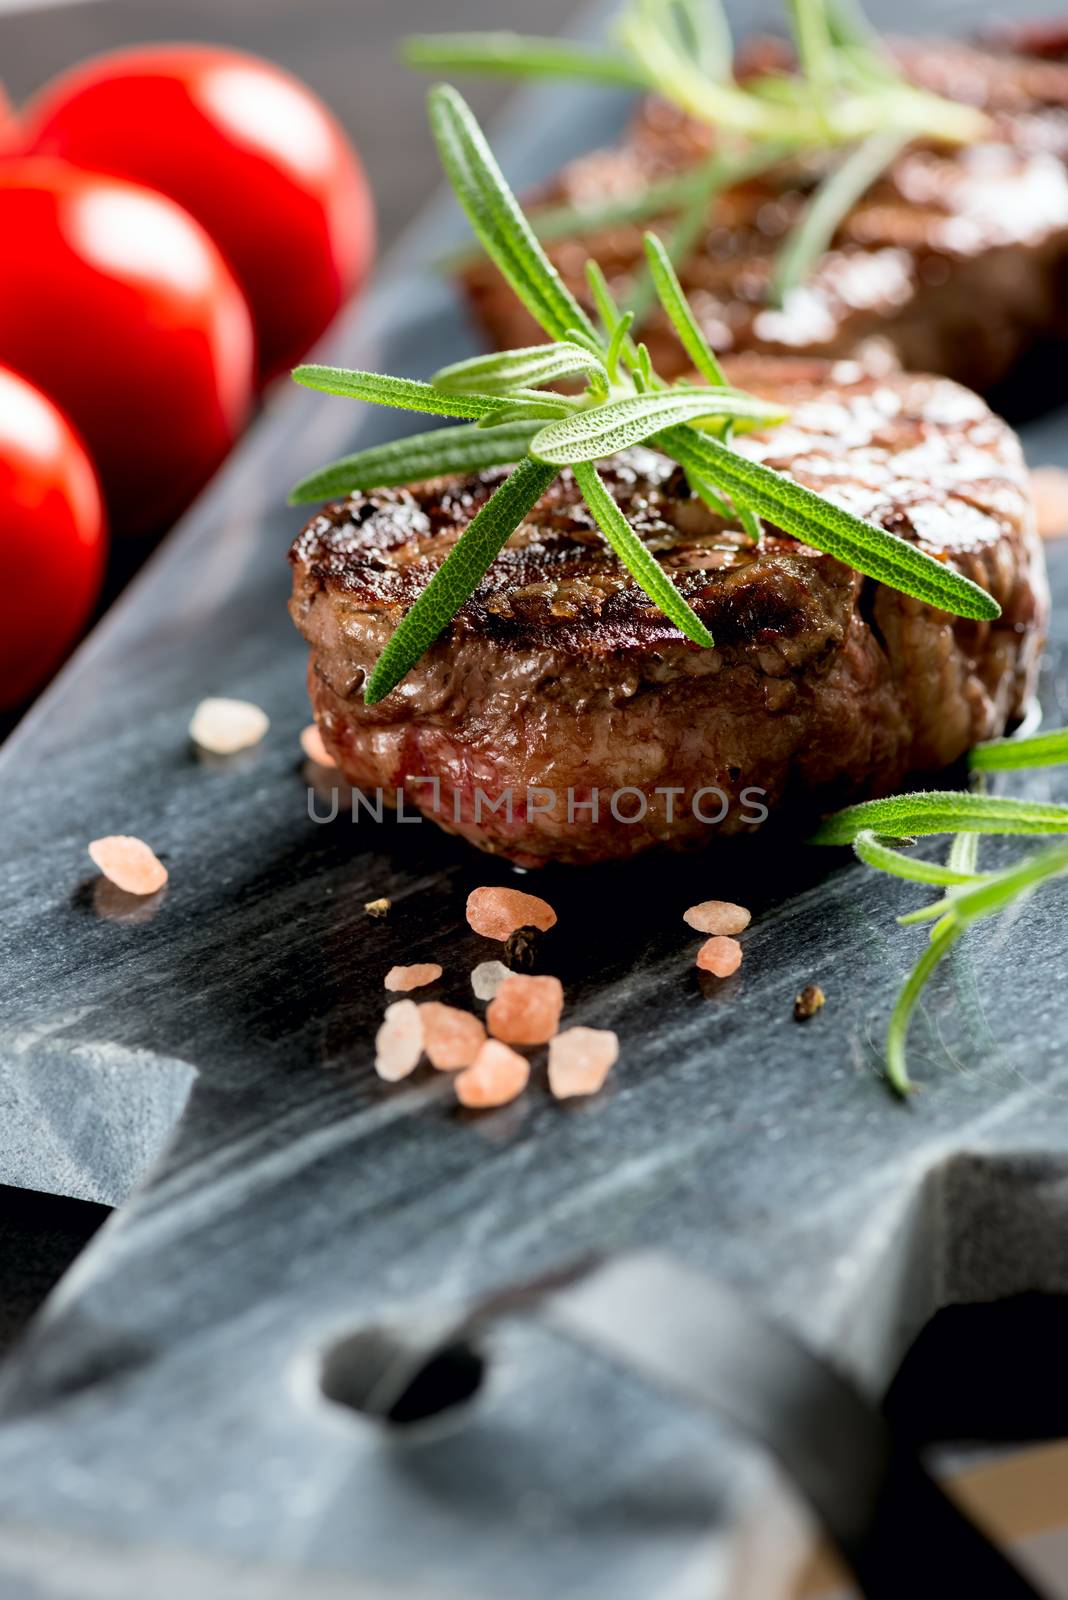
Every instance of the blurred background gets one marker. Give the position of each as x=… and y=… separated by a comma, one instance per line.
x=344, y=50
x=300, y=180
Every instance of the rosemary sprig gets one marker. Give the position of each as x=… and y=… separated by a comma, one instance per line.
x=846, y=94
x=970, y=895
x=514, y=419
x=834, y=198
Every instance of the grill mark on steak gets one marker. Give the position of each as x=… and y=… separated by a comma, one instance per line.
x=955, y=258
x=559, y=672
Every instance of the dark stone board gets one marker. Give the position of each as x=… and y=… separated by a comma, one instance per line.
x=207, y=1068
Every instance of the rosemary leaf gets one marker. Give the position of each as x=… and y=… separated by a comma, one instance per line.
x=705, y=492
x=519, y=55
x=406, y=393
x=420, y=456
x=524, y=411
x=671, y=297
x=692, y=192
x=1008, y=755
x=964, y=855
x=643, y=567
x=709, y=37
x=616, y=343
x=496, y=218
x=897, y=1071
x=525, y=368
x=874, y=853
x=906, y=816
x=995, y=890
x=812, y=36
x=834, y=198
x=459, y=575
x=829, y=527
x=618, y=424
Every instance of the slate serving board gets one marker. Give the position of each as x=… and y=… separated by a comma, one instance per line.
x=207, y=1068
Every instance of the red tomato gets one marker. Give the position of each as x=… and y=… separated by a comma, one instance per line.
x=248, y=151
x=52, y=537
x=119, y=306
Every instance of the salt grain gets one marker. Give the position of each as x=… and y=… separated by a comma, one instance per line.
x=487, y=978
x=401, y=979
x=399, y=1041
x=717, y=916
x=1049, y=491
x=222, y=727
x=497, y=913
x=451, y=1038
x=311, y=742
x=129, y=863
x=496, y=1076
x=580, y=1060
x=720, y=956
x=526, y=1010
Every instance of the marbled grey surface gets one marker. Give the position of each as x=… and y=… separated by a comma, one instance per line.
x=161, y=1429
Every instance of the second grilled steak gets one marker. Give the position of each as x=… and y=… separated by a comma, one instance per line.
x=957, y=258
x=559, y=680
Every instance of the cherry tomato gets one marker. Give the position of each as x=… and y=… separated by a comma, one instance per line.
x=119, y=306
x=52, y=537
x=248, y=151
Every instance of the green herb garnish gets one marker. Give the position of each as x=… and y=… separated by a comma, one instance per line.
x=623, y=402
x=876, y=826
x=847, y=96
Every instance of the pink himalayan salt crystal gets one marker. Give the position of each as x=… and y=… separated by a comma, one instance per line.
x=129, y=863
x=496, y=1076
x=717, y=916
x=720, y=956
x=526, y=1010
x=497, y=913
x=311, y=742
x=223, y=727
x=401, y=979
x=451, y=1038
x=1049, y=491
x=399, y=1041
x=580, y=1059
x=487, y=978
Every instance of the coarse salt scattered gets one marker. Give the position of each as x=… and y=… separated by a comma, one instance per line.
x=129, y=863
x=487, y=978
x=401, y=979
x=1049, y=491
x=720, y=956
x=311, y=742
x=526, y=1010
x=399, y=1041
x=222, y=727
x=451, y=1038
x=580, y=1060
x=717, y=916
x=497, y=913
x=496, y=1076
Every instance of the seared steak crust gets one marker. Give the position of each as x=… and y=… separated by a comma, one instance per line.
x=957, y=258
x=559, y=674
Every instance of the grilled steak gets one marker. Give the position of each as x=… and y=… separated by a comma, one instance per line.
x=560, y=676
x=958, y=258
